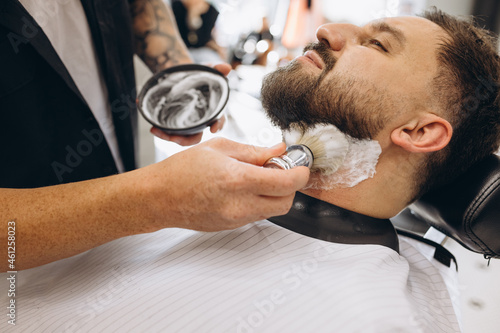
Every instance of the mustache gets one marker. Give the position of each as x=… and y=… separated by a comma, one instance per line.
x=324, y=52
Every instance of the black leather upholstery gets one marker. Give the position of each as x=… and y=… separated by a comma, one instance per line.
x=468, y=210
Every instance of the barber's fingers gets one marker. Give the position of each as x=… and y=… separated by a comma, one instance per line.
x=218, y=125
x=274, y=206
x=246, y=153
x=224, y=68
x=257, y=155
x=266, y=207
x=187, y=140
x=250, y=208
x=248, y=175
x=274, y=182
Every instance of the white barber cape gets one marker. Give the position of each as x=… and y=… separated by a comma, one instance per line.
x=258, y=278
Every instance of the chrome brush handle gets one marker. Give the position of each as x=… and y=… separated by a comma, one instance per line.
x=295, y=155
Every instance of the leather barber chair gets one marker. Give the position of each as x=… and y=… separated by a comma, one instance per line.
x=467, y=210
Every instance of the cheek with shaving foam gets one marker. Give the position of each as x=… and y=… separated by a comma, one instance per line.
x=340, y=161
x=359, y=164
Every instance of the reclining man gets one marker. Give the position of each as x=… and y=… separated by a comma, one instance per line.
x=403, y=82
x=428, y=94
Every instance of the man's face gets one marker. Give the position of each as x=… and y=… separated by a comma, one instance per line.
x=360, y=79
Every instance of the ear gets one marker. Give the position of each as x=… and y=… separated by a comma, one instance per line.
x=426, y=134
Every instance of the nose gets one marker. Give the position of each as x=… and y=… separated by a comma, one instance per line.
x=336, y=35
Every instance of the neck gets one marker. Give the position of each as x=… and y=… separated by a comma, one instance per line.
x=382, y=196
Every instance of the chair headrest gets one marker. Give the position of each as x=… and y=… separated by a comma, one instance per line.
x=468, y=210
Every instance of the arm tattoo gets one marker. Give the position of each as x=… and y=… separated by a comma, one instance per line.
x=157, y=40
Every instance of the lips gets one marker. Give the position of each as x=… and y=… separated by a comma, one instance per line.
x=315, y=58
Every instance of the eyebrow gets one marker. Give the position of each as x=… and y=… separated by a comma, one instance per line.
x=396, y=33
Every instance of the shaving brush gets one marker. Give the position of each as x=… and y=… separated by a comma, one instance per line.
x=321, y=148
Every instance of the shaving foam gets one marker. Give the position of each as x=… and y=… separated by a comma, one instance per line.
x=327, y=143
x=185, y=99
x=356, y=165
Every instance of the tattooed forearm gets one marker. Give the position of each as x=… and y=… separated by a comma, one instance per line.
x=157, y=40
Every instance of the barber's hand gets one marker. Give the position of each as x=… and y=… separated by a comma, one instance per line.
x=218, y=185
x=189, y=140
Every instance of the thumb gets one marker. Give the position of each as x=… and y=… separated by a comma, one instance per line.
x=258, y=155
x=245, y=153
x=224, y=68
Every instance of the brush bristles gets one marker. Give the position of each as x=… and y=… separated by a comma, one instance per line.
x=328, y=145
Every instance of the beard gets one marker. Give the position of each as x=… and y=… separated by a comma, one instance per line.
x=293, y=96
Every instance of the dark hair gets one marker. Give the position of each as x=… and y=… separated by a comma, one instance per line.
x=467, y=89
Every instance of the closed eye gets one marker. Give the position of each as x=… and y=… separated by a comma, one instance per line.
x=377, y=44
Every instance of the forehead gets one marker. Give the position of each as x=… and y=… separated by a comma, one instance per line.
x=411, y=26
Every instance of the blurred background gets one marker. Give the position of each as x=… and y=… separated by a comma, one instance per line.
x=256, y=37
x=267, y=32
